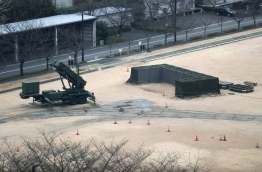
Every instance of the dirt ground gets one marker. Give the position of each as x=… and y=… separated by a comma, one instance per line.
x=236, y=62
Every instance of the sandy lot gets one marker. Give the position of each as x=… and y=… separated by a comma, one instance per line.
x=236, y=62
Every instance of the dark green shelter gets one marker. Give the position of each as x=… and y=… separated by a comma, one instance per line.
x=188, y=83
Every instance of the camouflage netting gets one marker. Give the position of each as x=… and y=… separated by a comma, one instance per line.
x=188, y=83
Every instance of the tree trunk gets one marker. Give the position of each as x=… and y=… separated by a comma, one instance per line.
x=186, y=35
x=47, y=63
x=238, y=25
x=148, y=43
x=221, y=28
x=110, y=47
x=174, y=37
x=165, y=39
x=22, y=68
x=120, y=30
x=75, y=58
x=254, y=21
x=129, y=47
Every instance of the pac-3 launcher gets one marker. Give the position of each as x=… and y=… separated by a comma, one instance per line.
x=74, y=94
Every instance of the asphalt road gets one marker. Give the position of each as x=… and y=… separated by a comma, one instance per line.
x=98, y=54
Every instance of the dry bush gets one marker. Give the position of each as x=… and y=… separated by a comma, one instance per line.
x=51, y=152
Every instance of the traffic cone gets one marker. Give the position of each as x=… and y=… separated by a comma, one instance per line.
x=257, y=145
x=168, y=129
x=164, y=94
x=17, y=149
x=77, y=133
x=148, y=122
x=127, y=69
x=166, y=105
x=115, y=122
x=129, y=121
x=225, y=139
x=196, y=138
x=221, y=138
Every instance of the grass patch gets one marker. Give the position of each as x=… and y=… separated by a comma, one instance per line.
x=213, y=34
x=158, y=45
x=247, y=27
x=196, y=37
x=230, y=30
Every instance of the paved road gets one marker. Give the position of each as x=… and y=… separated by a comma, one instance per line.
x=99, y=53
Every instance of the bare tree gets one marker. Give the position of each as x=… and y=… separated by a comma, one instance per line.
x=26, y=37
x=87, y=6
x=138, y=10
x=188, y=24
x=205, y=22
x=27, y=9
x=168, y=32
x=213, y=3
x=240, y=13
x=149, y=29
x=118, y=13
x=51, y=152
x=152, y=9
x=71, y=37
x=5, y=8
x=149, y=24
x=254, y=9
x=220, y=20
x=46, y=45
x=6, y=52
x=173, y=15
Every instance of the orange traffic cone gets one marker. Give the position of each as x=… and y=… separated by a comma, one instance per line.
x=196, y=138
x=17, y=149
x=221, y=138
x=166, y=105
x=257, y=145
x=148, y=122
x=129, y=121
x=77, y=133
x=168, y=129
x=225, y=139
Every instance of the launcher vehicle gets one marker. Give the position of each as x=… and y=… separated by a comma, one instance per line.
x=75, y=94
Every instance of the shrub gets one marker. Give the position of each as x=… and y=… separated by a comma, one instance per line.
x=180, y=41
x=213, y=34
x=196, y=37
x=247, y=27
x=108, y=56
x=230, y=30
x=126, y=29
x=102, y=32
x=157, y=45
x=116, y=54
x=136, y=50
x=53, y=152
x=124, y=52
x=115, y=40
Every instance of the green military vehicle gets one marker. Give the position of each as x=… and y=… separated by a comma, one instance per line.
x=75, y=94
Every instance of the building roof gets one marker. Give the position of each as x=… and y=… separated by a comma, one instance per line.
x=109, y=10
x=43, y=23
